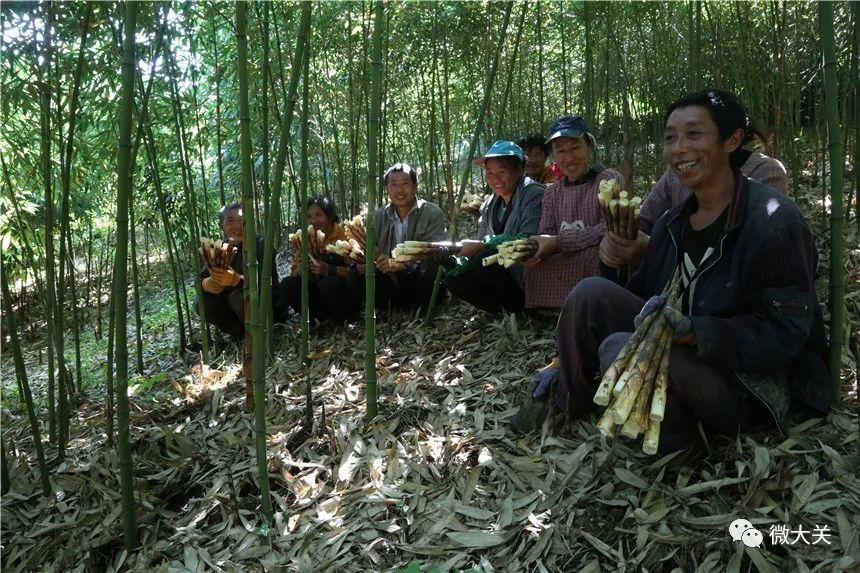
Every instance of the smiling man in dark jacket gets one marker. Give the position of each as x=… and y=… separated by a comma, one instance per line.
x=748, y=337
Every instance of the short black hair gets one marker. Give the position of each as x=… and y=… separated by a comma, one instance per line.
x=402, y=167
x=727, y=111
x=327, y=206
x=224, y=212
x=534, y=140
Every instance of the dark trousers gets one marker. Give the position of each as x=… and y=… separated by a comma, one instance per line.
x=595, y=322
x=226, y=311
x=400, y=291
x=491, y=288
x=328, y=297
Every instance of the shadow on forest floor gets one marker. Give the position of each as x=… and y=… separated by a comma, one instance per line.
x=437, y=478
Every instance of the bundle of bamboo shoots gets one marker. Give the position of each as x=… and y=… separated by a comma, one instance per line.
x=634, y=386
x=512, y=252
x=620, y=211
x=355, y=230
x=409, y=251
x=316, y=242
x=340, y=248
x=216, y=253
x=356, y=234
x=471, y=203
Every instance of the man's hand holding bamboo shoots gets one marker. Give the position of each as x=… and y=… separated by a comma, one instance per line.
x=681, y=325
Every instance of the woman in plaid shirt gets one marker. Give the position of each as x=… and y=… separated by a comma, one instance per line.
x=571, y=225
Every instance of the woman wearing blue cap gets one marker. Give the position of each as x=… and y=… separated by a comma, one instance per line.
x=513, y=209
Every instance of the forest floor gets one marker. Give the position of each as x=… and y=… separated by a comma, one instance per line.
x=436, y=482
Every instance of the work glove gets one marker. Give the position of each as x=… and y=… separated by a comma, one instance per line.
x=544, y=381
x=212, y=286
x=225, y=278
x=492, y=242
x=652, y=305
x=681, y=325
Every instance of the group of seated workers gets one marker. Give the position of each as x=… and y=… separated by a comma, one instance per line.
x=748, y=337
x=336, y=288
x=564, y=219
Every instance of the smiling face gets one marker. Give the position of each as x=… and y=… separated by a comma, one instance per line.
x=536, y=161
x=234, y=226
x=572, y=155
x=318, y=218
x=693, y=150
x=500, y=178
x=401, y=190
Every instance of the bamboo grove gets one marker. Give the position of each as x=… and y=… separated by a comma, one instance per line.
x=154, y=115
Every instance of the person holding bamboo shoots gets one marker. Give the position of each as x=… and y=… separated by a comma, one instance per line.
x=406, y=218
x=327, y=296
x=617, y=251
x=511, y=213
x=223, y=282
x=727, y=329
x=571, y=225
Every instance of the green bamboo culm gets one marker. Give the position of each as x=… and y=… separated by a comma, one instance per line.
x=120, y=284
x=837, y=215
x=253, y=326
x=479, y=126
x=21, y=373
x=304, y=173
x=50, y=279
x=273, y=214
x=372, y=184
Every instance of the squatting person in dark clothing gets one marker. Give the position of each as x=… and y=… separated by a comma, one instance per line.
x=223, y=292
x=748, y=337
x=327, y=292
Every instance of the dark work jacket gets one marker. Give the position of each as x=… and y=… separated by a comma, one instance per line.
x=238, y=265
x=755, y=313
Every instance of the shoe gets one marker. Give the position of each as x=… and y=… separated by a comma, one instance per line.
x=531, y=415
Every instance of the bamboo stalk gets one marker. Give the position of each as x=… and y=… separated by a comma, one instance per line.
x=253, y=327
x=837, y=216
x=372, y=182
x=21, y=373
x=120, y=296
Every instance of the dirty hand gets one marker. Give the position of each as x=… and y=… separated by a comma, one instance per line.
x=547, y=247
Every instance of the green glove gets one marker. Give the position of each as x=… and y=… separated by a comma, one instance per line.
x=492, y=242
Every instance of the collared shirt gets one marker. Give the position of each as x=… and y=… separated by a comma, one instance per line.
x=670, y=192
x=571, y=212
x=400, y=225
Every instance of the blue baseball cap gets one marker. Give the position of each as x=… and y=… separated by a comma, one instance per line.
x=567, y=126
x=502, y=148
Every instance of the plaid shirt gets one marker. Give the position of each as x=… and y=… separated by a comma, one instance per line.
x=571, y=212
x=670, y=192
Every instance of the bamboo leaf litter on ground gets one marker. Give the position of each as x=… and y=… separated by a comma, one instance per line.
x=424, y=479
